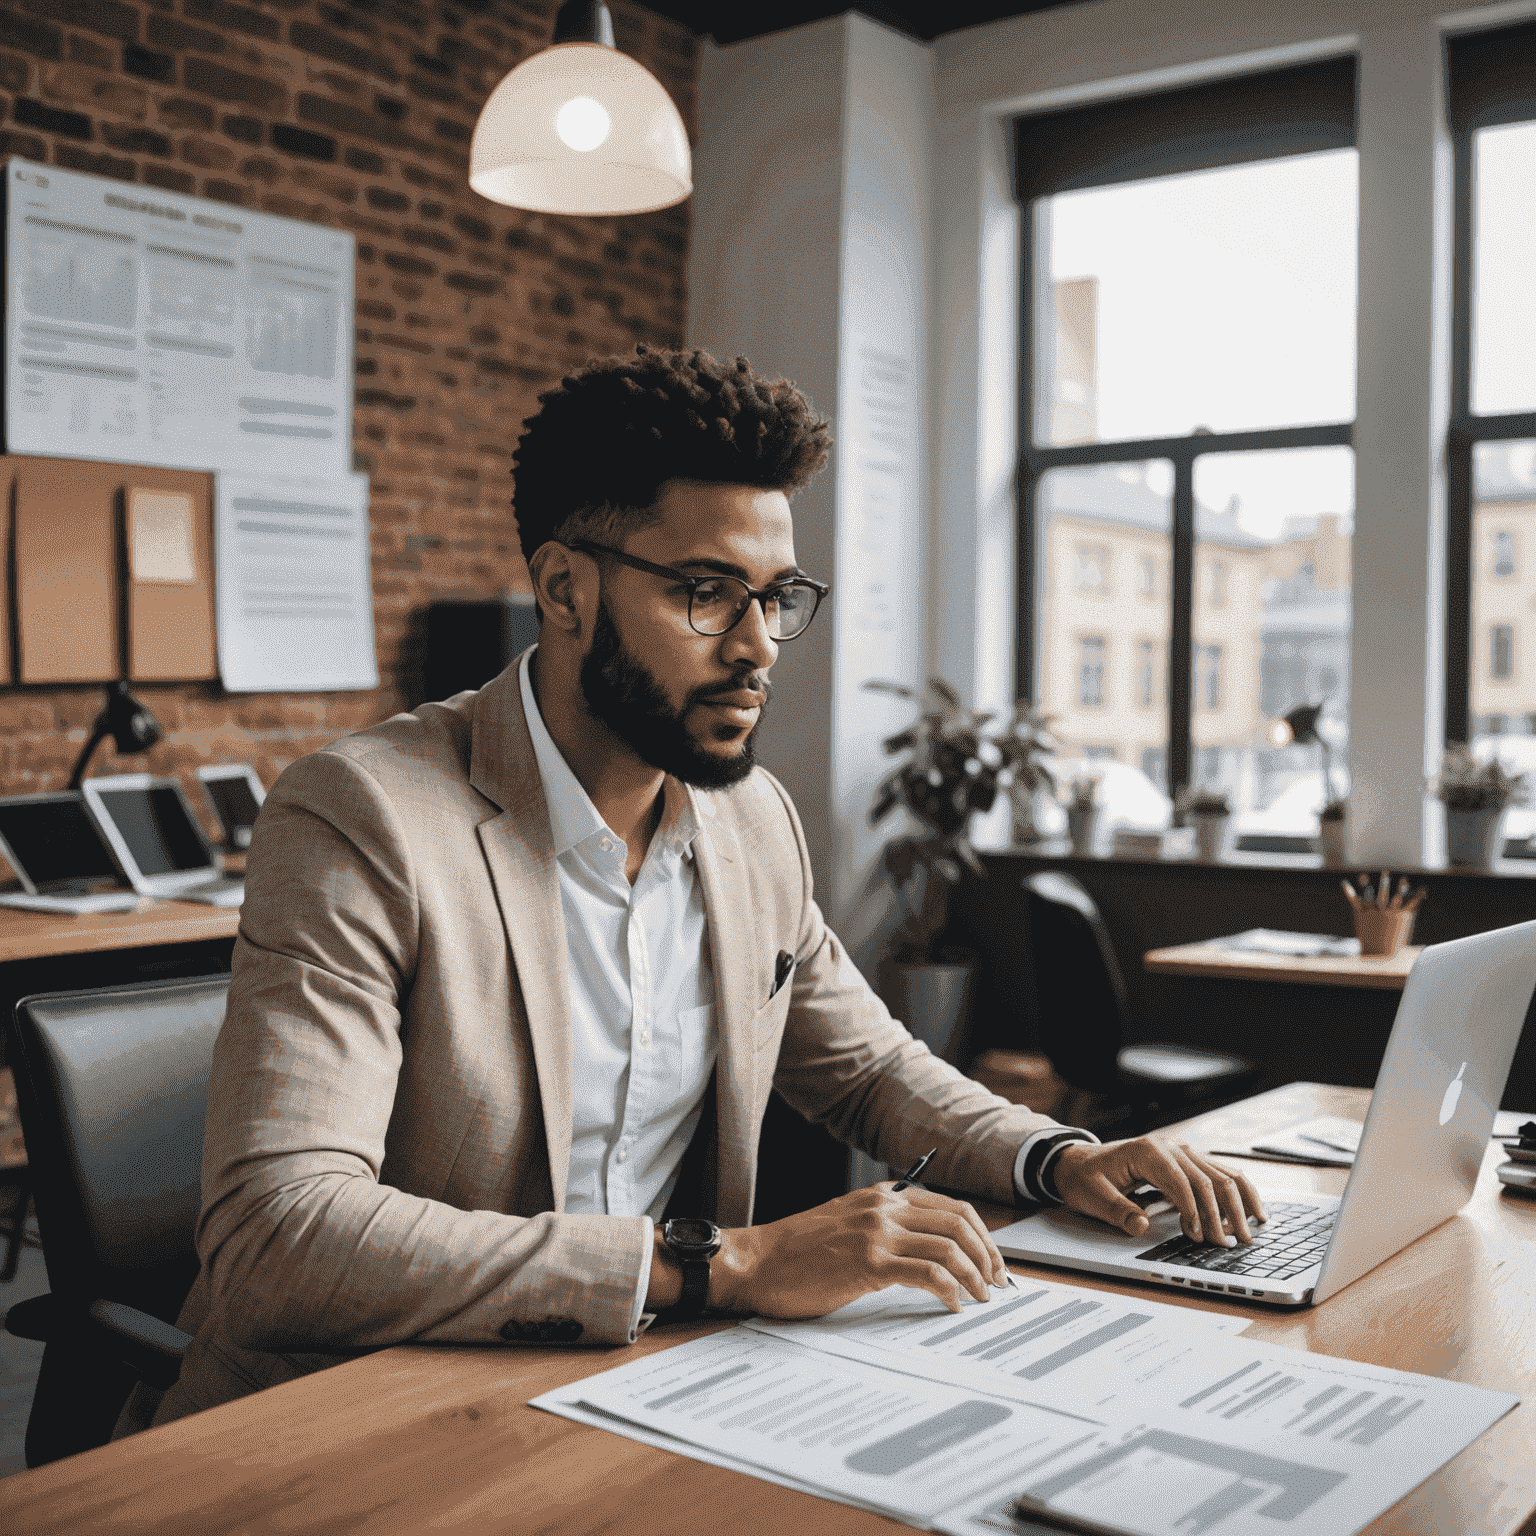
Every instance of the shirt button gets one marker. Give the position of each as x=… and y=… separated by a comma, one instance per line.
x=645, y=1039
x=606, y=845
x=623, y=1154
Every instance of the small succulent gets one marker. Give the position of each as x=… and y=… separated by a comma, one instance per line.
x=1333, y=810
x=1466, y=784
x=1200, y=800
x=1083, y=791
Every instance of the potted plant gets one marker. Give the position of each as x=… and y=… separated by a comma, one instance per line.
x=951, y=771
x=1025, y=747
x=1330, y=833
x=1083, y=812
x=1475, y=796
x=1208, y=811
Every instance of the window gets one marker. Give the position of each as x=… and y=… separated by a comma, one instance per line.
x=1491, y=449
x=1091, y=568
x=1501, y=647
x=1090, y=673
x=1159, y=400
x=1504, y=552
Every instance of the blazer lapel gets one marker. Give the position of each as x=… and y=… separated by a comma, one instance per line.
x=520, y=853
x=733, y=952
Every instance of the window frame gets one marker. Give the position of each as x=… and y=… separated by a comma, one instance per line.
x=1490, y=82
x=1236, y=120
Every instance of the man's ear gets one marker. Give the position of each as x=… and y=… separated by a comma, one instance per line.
x=555, y=586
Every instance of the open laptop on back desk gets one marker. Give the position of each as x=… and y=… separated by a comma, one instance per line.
x=59, y=857
x=1438, y=1089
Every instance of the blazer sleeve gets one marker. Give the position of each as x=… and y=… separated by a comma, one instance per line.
x=303, y=1246
x=845, y=1063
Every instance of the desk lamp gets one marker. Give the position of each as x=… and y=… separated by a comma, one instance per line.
x=1299, y=727
x=131, y=727
x=581, y=128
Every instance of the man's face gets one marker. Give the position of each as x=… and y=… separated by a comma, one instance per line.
x=686, y=703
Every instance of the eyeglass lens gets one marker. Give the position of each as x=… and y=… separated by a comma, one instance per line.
x=719, y=603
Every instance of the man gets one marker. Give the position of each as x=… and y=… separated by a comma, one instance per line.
x=516, y=972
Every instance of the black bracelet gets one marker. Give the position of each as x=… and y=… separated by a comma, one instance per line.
x=1035, y=1185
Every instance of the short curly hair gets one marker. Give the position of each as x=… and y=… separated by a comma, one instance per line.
x=603, y=443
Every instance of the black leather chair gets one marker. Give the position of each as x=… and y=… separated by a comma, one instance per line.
x=112, y=1085
x=1084, y=1017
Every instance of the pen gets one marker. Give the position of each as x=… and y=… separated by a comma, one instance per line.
x=910, y=1176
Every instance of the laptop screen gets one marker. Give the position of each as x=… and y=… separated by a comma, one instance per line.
x=157, y=828
x=55, y=841
x=234, y=802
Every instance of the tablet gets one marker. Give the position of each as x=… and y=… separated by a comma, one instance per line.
x=235, y=793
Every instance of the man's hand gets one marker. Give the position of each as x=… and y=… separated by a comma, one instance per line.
x=1213, y=1202
x=811, y=1264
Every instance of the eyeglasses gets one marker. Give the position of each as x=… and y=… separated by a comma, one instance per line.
x=717, y=604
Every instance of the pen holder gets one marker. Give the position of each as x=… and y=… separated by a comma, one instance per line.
x=1382, y=931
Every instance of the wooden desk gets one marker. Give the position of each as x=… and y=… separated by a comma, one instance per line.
x=38, y=935
x=439, y=1438
x=1386, y=973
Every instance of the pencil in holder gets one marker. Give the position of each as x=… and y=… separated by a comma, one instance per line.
x=1382, y=930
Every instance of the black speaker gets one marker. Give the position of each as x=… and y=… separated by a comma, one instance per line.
x=469, y=642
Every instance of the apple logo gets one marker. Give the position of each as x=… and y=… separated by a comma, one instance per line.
x=1452, y=1094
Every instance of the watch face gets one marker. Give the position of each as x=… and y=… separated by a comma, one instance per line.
x=689, y=1232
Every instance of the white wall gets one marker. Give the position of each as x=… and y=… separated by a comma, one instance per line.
x=809, y=255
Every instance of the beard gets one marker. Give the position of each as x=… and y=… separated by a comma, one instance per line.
x=625, y=696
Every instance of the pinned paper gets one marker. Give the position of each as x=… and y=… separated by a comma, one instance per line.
x=160, y=537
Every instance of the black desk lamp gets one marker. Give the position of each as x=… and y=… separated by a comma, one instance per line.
x=1300, y=727
x=131, y=727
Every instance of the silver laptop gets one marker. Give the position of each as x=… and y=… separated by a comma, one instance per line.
x=151, y=830
x=1430, y=1118
x=59, y=858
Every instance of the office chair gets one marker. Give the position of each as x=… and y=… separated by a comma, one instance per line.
x=1084, y=1016
x=112, y=1085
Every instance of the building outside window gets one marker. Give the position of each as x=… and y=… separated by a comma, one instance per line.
x=1145, y=683
x=1091, y=567
x=1090, y=672
x=1504, y=552
x=1502, y=650
x=1204, y=431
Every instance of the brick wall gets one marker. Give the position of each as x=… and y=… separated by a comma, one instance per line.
x=359, y=115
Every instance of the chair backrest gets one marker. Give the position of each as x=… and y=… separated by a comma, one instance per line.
x=112, y=1084
x=1078, y=982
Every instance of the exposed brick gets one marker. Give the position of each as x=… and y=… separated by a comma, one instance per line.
x=258, y=168
x=33, y=114
x=467, y=282
x=246, y=129
x=434, y=91
x=433, y=239
x=365, y=160
x=164, y=32
x=85, y=50
x=387, y=107
x=15, y=73
x=233, y=18
x=135, y=141
x=300, y=141
x=468, y=224
x=36, y=37
x=207, y=154
x=103, y=164
x=170, y=178
x=104, y=16
x=178, y=112
x=371, y=309
x=26, y=145
x=455, y=133
x=381, y=197
x=224, y=191
x=328, y=45
x=411, y=266
x=148, y=65
x=383, y=397
x=229, y=85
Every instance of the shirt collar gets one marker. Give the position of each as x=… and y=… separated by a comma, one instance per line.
x=572, y=816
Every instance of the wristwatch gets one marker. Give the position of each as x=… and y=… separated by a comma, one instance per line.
x=693, y=1242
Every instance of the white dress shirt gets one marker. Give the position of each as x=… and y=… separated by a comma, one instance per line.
x=642, y=992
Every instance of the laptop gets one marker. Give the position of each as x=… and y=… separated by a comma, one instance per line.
x=235, y=793
x=59, y=857
x=1420, y=1152
x=151, y=830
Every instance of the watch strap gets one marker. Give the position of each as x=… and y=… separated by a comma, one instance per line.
x=695, y=1292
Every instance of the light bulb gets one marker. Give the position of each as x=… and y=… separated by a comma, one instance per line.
x=583, y=124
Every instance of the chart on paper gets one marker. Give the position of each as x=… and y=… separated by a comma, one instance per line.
x=157, y=328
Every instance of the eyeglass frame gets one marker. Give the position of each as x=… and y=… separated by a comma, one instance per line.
x=820, y=588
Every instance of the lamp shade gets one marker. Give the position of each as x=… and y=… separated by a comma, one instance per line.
x=581, y=129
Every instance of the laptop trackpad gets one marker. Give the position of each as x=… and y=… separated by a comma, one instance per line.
x=1067, y=1234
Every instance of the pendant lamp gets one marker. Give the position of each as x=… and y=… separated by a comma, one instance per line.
x=581, y=128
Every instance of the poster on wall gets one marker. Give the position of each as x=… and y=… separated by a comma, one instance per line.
x=292, y=574
x=151, y=328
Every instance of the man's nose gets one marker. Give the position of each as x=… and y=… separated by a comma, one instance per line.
x=750, y=641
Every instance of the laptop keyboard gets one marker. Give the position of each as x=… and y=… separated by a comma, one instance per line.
x=1293, y=1239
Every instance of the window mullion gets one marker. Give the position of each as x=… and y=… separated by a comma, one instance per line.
x=1181, y=638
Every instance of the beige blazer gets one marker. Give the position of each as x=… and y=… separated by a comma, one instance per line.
x=390, y=1109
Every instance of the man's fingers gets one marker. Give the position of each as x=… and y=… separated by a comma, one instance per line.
x=948, y=1255
x=1205, y=1199
x=1097, y=1196
x=1236, y=1196
x=1166, y=1174
x=971, y=1231
x=924, y=1275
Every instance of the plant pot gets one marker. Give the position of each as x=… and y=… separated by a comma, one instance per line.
x=1082, y=823
x=1472, y=838
x=1210, y=836
x=1022, y=826
x=1330, y=842
x=934, y=1002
